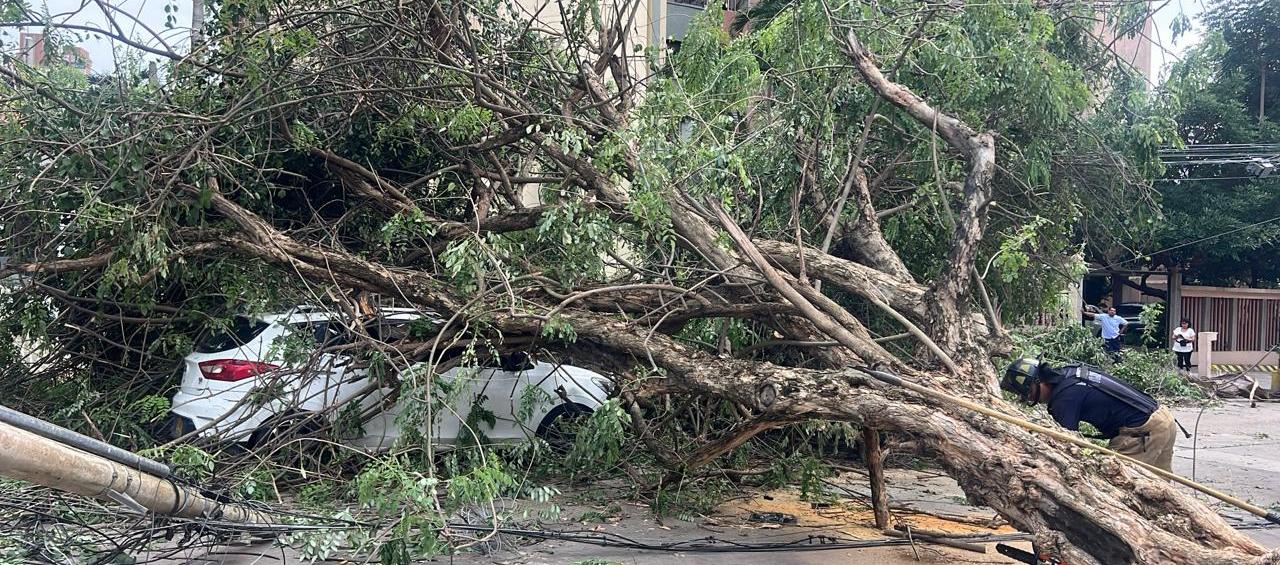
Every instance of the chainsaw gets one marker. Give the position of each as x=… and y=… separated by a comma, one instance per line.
x=1027, y=557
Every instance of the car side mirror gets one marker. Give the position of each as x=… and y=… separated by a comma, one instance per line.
x=516, y=362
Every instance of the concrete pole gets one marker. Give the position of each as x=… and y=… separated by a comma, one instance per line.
x=1175, y=303
x=32, y=458
x=1204, y=351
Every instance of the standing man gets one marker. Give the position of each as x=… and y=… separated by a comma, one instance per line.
x=1135, y=423
x=1112, y=329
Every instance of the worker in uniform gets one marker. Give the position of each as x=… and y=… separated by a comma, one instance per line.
x=1135, y=423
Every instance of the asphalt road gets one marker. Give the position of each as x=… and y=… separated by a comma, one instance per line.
x=1235, y=449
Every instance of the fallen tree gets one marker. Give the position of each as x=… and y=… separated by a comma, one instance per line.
x=528, y=183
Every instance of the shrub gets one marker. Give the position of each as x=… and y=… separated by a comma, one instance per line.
x=1152, y=372
x=1149, y=370
x=1060, y=345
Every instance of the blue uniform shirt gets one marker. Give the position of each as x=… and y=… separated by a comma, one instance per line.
x=1111, y=325
x=1074, y=402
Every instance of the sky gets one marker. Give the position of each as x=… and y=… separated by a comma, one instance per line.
x=151, y=14
x=1166, y=50
x=150, y=27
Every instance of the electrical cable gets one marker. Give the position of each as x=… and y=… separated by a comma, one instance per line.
x=1188, y=243
x=1191, y=179
x=1181, y=163
x=712, y=544
x=1206, y=155
x=1219, y=148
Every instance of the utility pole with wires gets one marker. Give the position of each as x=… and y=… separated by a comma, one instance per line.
x=36, y=451
x=1262, y=90
x=1259, y=159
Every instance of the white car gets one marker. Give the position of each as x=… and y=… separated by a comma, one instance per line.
x=238, y=386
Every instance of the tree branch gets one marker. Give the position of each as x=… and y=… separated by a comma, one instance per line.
x=978, y=149
x=859, y=343
x=58, y=265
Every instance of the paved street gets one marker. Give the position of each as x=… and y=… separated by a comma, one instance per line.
x=1235, y=449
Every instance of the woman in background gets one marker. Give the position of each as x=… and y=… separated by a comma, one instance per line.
x=1184, y=340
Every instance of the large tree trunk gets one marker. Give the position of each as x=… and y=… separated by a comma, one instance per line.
x=873, y=456
x=1089, y=508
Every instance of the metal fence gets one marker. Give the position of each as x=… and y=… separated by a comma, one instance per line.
x=1243, y=324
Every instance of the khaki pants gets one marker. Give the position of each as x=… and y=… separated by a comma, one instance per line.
x=1150, y=443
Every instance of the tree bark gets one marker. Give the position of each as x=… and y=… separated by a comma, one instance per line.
x=1088, y=508
x=855, y=278
x=950, y=287
x=871, y=247
x=874, y=458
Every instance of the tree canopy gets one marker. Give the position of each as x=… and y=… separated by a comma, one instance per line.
x=744, y=222
x=1214, y=206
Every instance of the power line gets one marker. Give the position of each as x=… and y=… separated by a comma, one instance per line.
x=1195, y=146
x=1201, y=240
x=1204, y=178
x=1252, y=154
x=1212, y=147
x=1219, y=150
x=713, y=544
x=1180, y=164
x=1219, y=159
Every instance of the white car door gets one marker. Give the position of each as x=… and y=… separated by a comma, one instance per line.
x=330, y=381
x=321, y=375
x=499, y=394
x=527, y=396
x=448, y=401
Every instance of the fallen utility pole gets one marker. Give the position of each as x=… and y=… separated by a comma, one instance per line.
x=33, y=457
x=895, y=380
x=81, y=441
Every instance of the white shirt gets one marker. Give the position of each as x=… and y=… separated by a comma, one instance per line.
x=1187, y=334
